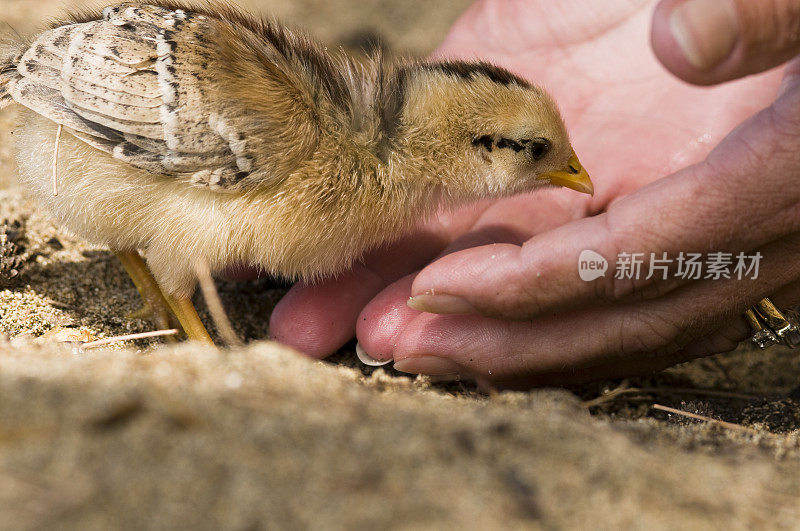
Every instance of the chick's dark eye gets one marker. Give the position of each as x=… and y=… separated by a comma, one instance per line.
x=539, y=148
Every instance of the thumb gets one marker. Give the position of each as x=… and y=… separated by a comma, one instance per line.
x=711, y=41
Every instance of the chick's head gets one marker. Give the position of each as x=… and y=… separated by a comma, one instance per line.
x=508, y=131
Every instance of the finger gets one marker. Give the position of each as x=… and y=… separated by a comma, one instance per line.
x=509, y=221
x=710, y=41
x=320, y=318
x=586, y=346
x=387, y=314
x=589, y=344
x=728, y=336
x=724, y=339
x=705, y=208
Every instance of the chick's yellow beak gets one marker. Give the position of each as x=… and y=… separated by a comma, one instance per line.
x=574, y=177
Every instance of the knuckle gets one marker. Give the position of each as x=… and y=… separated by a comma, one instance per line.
x=619, y=289
x=629, y=243
x=613, y=287
x=770, y=26
x=649, y=333
x=518, y=296
x=785, y=22
x=518, y=303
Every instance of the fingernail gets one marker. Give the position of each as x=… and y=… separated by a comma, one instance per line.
x=705, y=30
x=366, y=359
x=430, y=365
x=430, y=303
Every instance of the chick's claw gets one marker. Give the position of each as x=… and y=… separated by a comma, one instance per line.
x=154, y=304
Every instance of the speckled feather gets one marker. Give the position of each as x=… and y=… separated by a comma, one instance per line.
x=135, y=86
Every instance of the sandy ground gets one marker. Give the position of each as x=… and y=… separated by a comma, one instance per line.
x=151, y=436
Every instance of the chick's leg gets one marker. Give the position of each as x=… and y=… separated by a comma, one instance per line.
x=190, y=321
x=155, y=305
x=158, y=304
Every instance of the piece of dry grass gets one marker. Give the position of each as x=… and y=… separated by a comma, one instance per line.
x=129, y=337
x=215, y=307
x=624, y=390
x=716, y=422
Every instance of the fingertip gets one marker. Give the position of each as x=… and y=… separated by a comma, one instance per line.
x=669, y=51
x=707, y=42
x=384, y=318
x=316, y=320
x=303, y=337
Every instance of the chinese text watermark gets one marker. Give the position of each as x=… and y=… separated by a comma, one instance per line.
x=688, y=266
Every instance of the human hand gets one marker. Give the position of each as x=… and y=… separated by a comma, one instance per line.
x=632, y=123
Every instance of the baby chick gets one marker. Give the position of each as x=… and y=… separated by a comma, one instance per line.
x=204, y=135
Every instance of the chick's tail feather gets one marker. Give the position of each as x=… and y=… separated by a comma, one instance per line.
x=11, y=48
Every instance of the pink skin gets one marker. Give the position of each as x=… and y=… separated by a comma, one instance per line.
x=647, y=139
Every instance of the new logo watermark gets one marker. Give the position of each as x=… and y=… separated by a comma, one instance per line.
x=591, y=265
x=689, y=266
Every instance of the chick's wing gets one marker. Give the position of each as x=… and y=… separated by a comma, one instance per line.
x=174, y=92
